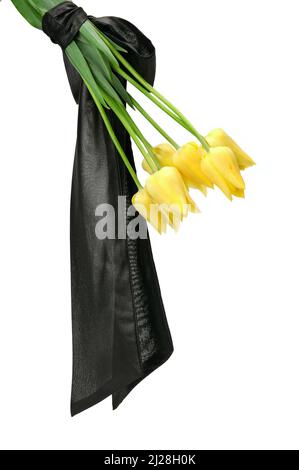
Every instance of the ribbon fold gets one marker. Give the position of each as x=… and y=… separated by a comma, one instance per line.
x=63, y=22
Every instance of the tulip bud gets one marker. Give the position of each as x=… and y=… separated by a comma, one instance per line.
x=220, y=165
x=219, y=138
x=167, y=187
x=144, y=204
x=188, y=161
x=164, y=154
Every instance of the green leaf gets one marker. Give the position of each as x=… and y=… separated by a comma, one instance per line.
x=90, y=73
x=122, y=91
x=117, y=47
x=78, y=61
x=34, y=10
x=29, y=13
x=101, y=70
x=89, y=32
x=95, y=57
x=103, y=83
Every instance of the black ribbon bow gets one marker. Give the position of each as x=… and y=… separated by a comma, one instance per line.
x=120, y=330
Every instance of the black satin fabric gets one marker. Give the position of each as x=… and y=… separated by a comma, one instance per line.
x=120, y=331
x=63, y=22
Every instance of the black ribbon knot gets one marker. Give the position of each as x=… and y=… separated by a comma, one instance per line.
x=63, y=22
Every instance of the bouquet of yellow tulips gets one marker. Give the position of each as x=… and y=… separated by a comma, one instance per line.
x=214, y=160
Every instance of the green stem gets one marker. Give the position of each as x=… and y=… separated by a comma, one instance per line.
x=152, y=90
x=200, y=137
x=151, y=97
x=141, y=137
x=186, y=124
x=118, y=146
x=154, y=123
x=134, y=132
x=147, y=154
x=102, y=98
x=78, y=61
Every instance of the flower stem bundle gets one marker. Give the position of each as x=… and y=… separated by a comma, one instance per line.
x=214, y=160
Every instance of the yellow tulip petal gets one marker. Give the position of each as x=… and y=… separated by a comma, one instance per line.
x=167, y=187
x=216, y=177
x=146, y=167
x=193, y=206
x=201, y=187
x=175, y=222
x=223, y=159
x=219, y=138
x=164, y=153
x=236, y=192
x=188, y=160
x=149, y=210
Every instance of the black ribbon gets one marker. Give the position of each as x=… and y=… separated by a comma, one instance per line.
x=120, y=330
x=63, y=22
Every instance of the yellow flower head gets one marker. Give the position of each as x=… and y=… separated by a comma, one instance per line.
x=220, y=165
x=144, y=204
x=167, y=188
x=164, y=154
x=188, y=160
x=219, y=138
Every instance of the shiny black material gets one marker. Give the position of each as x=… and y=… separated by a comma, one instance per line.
x=63, y=22
x=120, y=331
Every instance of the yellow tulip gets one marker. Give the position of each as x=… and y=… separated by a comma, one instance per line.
x=144, y=204
x=219, y=138
x=220, y=165
x=188, y=160
x=164, y=154
x=167, y=188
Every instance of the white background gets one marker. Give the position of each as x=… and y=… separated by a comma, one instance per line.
x=229, y=278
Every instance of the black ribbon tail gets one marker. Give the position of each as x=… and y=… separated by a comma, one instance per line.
x=120, y=330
